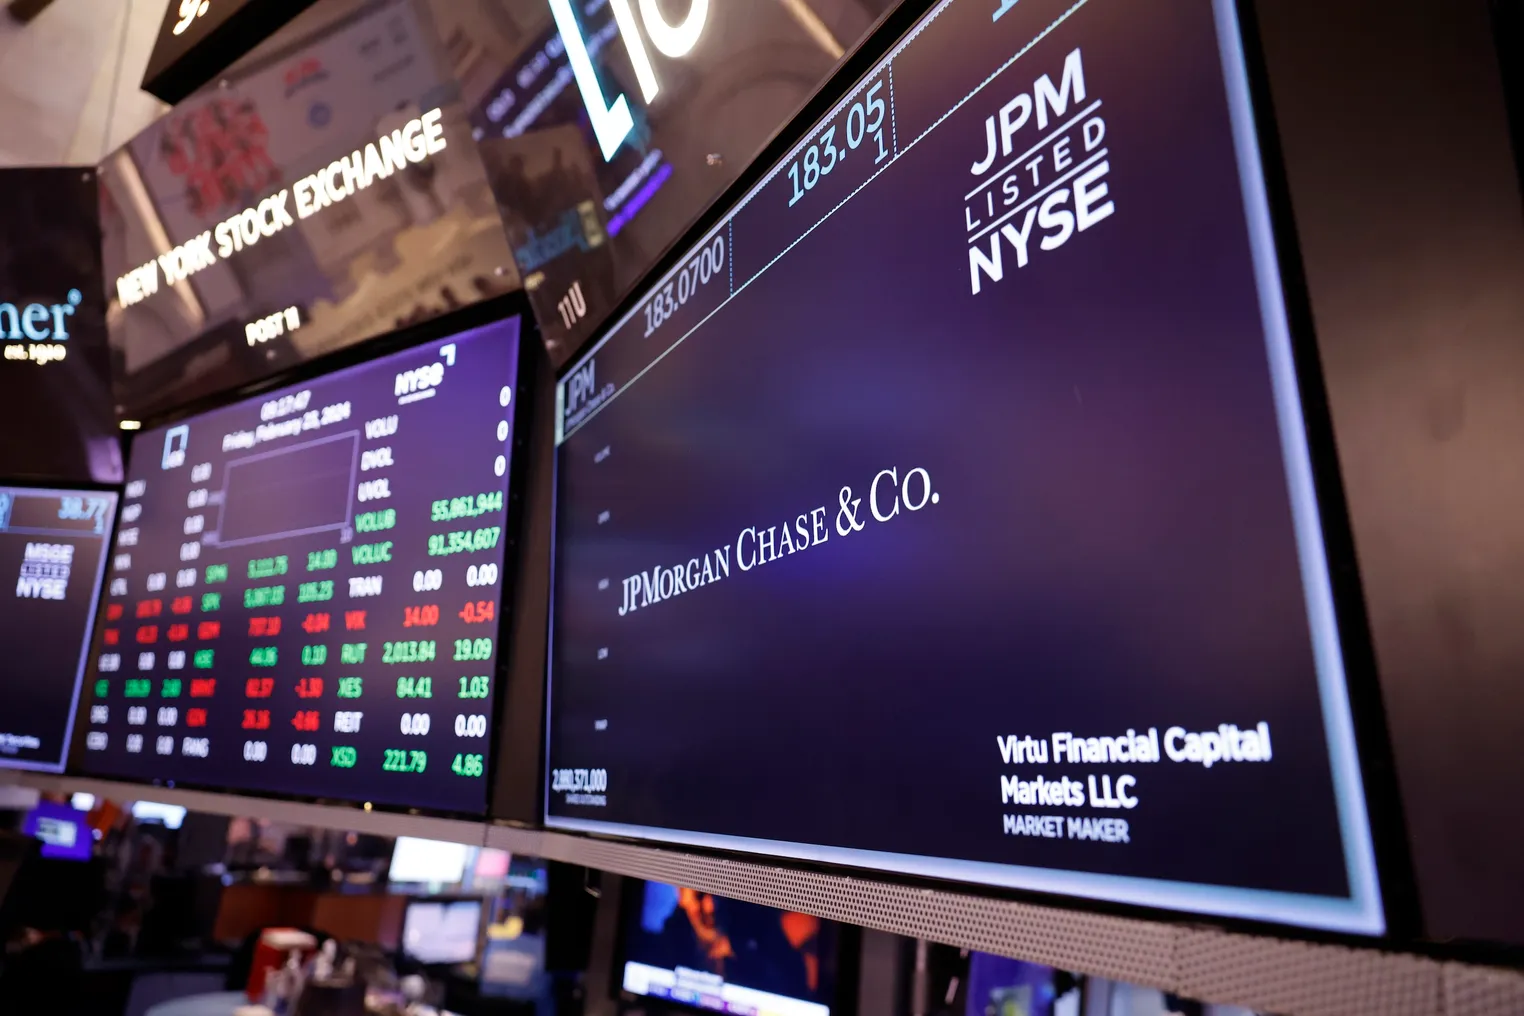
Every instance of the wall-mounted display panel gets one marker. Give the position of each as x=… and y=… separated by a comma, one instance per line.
x=948, y=508
x=52, y=555
x=305, y=591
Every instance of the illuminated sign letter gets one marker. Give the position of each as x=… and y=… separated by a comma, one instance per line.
x=674, y=40
x=612, y=122
x=639, y=59
x=190, y=10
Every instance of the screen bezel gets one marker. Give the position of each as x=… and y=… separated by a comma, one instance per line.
x=108, y=546
x=1393, y=873
x=632, y=898
x=477, y=315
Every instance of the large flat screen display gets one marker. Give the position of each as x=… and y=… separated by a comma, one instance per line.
x=52, y=554
x=304, y=594
x=948, y=508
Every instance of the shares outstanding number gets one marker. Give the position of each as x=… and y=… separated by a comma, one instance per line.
x=577, y=780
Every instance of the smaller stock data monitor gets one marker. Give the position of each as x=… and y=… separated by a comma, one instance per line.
x=52, y=548
x=305, y=590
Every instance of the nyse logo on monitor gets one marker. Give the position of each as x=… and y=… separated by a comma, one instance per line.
x=1023, y=205
x=612, y=121
x=45, y=571
x=175, y=442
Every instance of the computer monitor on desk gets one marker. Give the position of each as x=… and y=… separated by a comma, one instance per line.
x=441, y=931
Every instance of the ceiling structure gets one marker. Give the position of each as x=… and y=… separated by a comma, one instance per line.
x=69, y=80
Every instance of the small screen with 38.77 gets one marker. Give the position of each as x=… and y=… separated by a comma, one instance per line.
x=304, y=594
